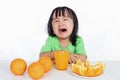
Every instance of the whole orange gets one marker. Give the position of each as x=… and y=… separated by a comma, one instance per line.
x=46, y=62
x=18, y=66
x=36, y=70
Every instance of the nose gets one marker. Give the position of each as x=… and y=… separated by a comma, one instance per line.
x=61, y=22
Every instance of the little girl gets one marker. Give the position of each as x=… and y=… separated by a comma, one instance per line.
x=62, y=30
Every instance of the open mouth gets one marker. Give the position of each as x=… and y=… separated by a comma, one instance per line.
x=63, y=30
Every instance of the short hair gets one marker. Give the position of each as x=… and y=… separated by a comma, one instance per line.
x=60, y=11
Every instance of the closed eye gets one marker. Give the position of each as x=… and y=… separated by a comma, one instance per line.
x=65, y=19
x=55, y=20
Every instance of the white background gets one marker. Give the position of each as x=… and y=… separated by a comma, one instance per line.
x=23, y=27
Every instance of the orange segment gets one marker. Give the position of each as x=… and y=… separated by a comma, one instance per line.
x=87, y=69
x=95, y=70
x=90, y=72
x=82, y=71
x=86, y=64
x=75, y=68
x=79, y=62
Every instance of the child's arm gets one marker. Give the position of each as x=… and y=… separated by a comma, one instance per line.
x=74, y=57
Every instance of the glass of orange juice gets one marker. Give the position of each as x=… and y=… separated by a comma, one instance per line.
x=61, y=59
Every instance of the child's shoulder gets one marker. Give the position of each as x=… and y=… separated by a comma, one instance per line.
x=51, y=38
x=79, y=39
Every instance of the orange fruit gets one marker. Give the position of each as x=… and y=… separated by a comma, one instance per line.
x=75, y=68
x=86, y=64
x=18, y=66
x=96, y=69
x=82, y=71
x=79, y=69
x=85, y=69
x=46, y=62
x=79, y=62
x=36, y=70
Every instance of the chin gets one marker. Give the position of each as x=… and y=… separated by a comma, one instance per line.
x=63, y=38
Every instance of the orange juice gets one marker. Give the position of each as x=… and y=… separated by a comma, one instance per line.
x=61, y=59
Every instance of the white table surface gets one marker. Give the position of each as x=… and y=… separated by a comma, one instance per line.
x=112, y=72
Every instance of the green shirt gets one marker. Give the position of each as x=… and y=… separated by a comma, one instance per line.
x=52, y=44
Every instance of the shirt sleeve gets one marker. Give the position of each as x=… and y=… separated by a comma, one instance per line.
x=47, y=46
x=80, y=46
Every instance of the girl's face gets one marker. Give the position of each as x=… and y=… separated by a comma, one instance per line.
x=62, y=26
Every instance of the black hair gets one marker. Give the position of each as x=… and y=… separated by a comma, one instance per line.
x=60, y=11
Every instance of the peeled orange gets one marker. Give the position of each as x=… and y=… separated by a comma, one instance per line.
x=75, y=68
x=86, y=64
x=85, y=69
x=96, y=69
x=18, y=66
x=82, y=71
x=79, y=62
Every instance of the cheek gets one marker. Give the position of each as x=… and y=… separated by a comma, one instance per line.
x=70, y=30
x=55, y=29
x=71, y=25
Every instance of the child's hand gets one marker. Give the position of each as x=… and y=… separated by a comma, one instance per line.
x=74, y=57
